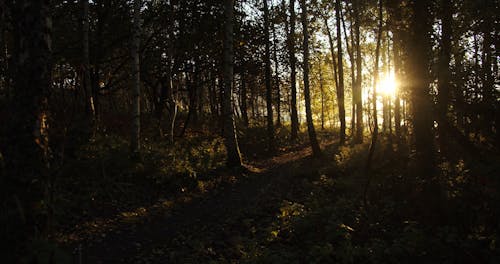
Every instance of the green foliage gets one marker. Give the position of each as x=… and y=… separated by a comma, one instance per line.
x=101, y=179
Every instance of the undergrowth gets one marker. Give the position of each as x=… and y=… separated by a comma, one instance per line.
x=101, y=180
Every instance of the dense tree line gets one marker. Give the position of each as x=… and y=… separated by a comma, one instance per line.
x=72, y=69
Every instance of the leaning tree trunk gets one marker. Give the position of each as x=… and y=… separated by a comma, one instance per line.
x=136, y=91
x=332, y=51
x=25, y=182
x=307, y=95
x=230, y=136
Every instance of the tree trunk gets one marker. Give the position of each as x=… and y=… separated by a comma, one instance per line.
x=340, y=87
x=230, y=136
x=276, y=79
x=419, y=83
x=350, y=52
x=488, y=77
x=332, y=52
x=359, y=76
x=4, y=62
x=25, y=187
x=375, y=114
x=243, y=99
x=87, y=83
x=322, y=91
x=395, y=20
x=333, y=55
x=397, y=95
x=269, y=92
x=97, y=57
x=293, y=73
x=135, y=145
x=444, y=72
x=307, y=96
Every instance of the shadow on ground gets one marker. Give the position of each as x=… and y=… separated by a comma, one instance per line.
x=198, y=227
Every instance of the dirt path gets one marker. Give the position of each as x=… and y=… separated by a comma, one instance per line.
x=212, y=222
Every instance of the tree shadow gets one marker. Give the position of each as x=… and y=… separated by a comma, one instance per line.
x=218, y=208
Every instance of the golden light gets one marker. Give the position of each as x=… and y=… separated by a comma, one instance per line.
x=388, y=85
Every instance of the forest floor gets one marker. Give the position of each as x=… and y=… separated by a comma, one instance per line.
x=283, y=208
x=200, y=226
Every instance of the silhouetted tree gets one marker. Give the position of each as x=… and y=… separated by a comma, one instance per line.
x=230, y=136
x=340, y=87
x=269, y=91
x=25, y=180
x=307, y=94
x=293, y=74
x=135, y=144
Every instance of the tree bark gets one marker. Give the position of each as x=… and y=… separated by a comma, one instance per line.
x=243, y=99
x=374, y=105
x=322, y=91
x=230, y=136
x=419, y=83
x=269, y=92
x=135, y=146
x=350, y=52
x=359, y=76
x=276, y=79
x=332, y=52
x=340, y=87
x=25, y=182
x=87, y=83
x=307, y=96
x=293, y=74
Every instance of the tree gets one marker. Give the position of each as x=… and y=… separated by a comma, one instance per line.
x=307, y=94
x=332, y=52
x=444, y=71
x=352, y=60
x=135, y=145
x=293, y=73
x=340, y=87
x=230, y=136
x=374, y=102
x=269, y=92
x=419, y=86
x=395, y=19
x=25, y=178
x=87, y=85
x=276, y=78
x=359, y=76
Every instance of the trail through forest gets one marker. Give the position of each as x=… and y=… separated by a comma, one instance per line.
x=215, y=222
x=363, y=131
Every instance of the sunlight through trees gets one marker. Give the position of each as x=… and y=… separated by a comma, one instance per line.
x=110, y=106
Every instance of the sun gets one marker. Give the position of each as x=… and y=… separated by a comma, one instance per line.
x=388, y=85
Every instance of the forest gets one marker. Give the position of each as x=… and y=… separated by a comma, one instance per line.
x=249, y=131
